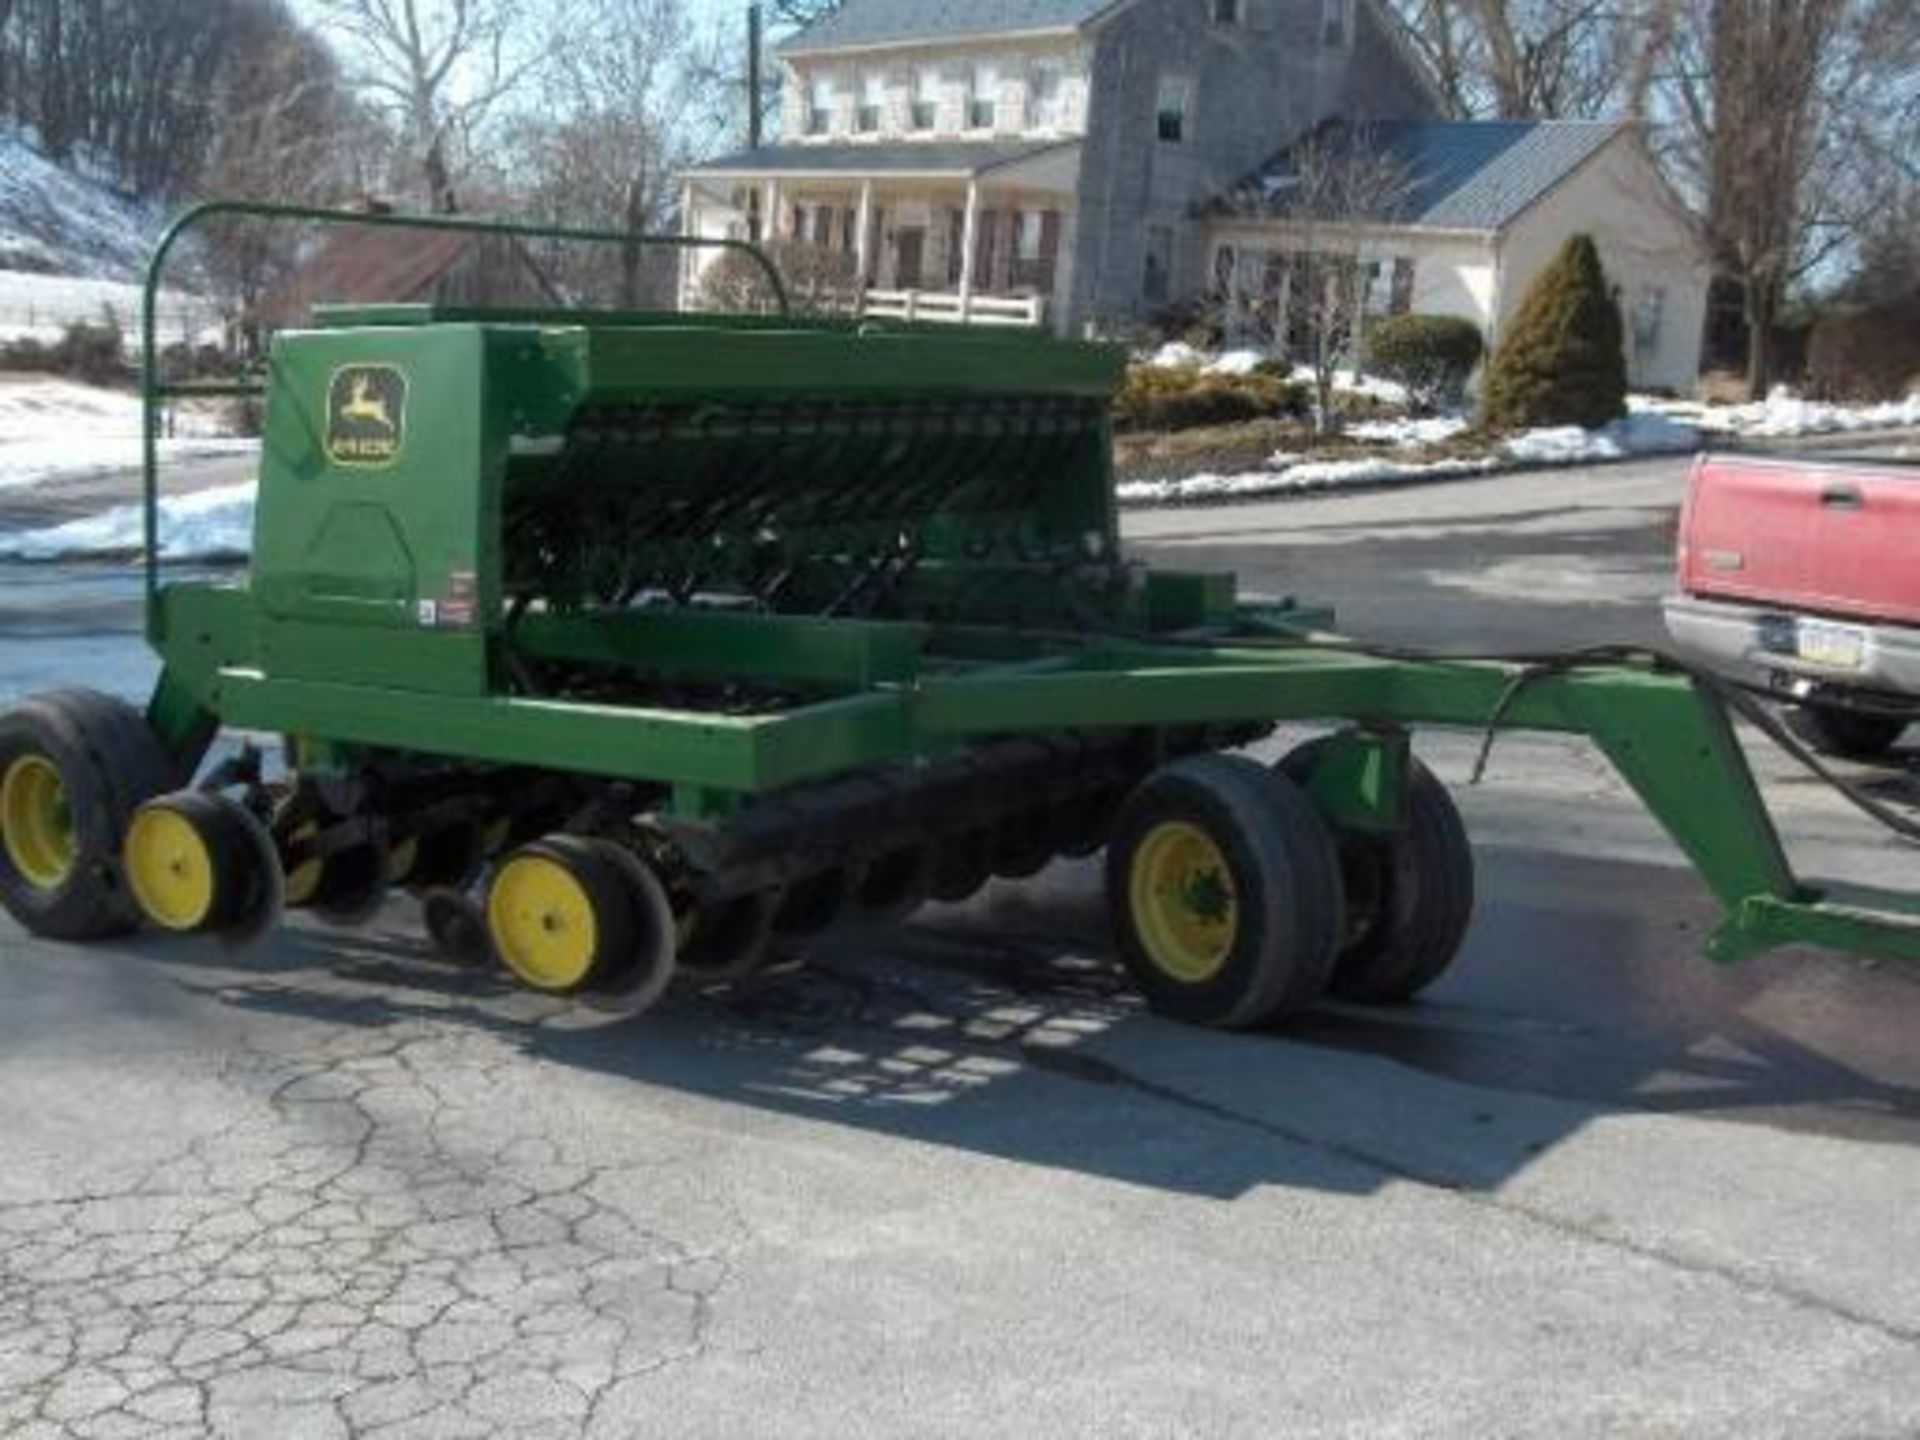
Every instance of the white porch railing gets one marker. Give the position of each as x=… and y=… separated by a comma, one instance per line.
x=949, y=307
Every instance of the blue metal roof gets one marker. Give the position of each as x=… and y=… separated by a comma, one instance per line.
x=1458, y=174
x=883, y=22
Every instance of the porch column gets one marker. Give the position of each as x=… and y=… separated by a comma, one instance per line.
x=863, y=238
x=770, y=212
x=969, y=244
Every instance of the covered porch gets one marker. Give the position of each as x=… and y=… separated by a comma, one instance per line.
x=960, y=233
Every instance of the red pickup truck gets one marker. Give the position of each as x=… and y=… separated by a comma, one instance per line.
x=1805, y=576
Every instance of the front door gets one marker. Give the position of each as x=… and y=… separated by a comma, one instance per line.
x=910, y=248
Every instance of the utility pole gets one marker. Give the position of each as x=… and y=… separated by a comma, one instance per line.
x=754, y=28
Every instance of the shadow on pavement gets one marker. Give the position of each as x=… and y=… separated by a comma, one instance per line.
x=1003, y=1028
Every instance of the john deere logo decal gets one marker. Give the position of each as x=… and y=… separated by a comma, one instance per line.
x=366, y=415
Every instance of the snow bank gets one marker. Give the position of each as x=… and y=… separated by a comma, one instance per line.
x=1641, y=433
x=206, y=525
x=41, y=307
x=58, y=430
x=1783, y=414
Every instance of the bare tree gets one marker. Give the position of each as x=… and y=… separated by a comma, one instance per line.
x=629, y=105
x=1329, y=188
x=1536, y=59
x=440, y=69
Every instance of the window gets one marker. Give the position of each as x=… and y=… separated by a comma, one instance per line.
x=822, y=226
x=983, y=106
x=1159, y=259
x=1336, y=23
x=1171, y=124
x=1036, y=249
x=1226, y=12
x=926, y=98
x=1046, y=90
x=819, y=105
x=873, y=99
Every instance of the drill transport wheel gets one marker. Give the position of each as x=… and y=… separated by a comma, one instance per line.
x=1224, y=890
x=74, y=766
x=562, y=914
x=1410, y=896
x=193, y=864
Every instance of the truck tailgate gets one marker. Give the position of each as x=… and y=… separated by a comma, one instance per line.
x=1836, y=538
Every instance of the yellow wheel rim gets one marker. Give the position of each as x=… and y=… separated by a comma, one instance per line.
x=170, y=869
x=401, y=859
x=1185, y=908
x=303, y=880
x=543, y=923
x=36, y=822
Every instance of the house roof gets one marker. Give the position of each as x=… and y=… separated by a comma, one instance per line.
x=367, y=266
x=1457, y=174
x=885, y=22
x=913, y=157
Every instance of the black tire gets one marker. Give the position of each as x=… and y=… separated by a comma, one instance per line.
x=457, y=926
x=895, y=885
x=1022, y=845
x=598, y=880
x=222, y=832
x=1284, y=900
x=814, y=904
x=731, y=940
x=638, y=978
x=1850, y=734
x=962, y=864
x=1410, y=897
x=109, y=763
x=449, y=858
x=353, y=885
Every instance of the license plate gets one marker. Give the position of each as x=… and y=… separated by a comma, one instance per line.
x=1838, y=647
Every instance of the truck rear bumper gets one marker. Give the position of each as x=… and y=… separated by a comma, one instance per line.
x=1755, y=643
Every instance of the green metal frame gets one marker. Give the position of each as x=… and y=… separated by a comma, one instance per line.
x=155, y=390
x=1172, y=651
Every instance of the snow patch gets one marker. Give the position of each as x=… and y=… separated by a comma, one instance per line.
x=206, y=525
x=57, y=430
x=1783, y=414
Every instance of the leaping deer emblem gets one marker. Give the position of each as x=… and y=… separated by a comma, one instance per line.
x=366, y=406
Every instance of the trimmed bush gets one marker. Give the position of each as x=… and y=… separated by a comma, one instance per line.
x=1156, y=398
x=1431, y=355
x=1563, y=360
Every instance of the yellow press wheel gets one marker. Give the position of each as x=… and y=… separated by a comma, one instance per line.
x=36, y=821
x=74, y=765
x=192, y=864
x=1225, y=894
x=561, y=914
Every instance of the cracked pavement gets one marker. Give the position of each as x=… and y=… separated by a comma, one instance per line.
x=951, y=1181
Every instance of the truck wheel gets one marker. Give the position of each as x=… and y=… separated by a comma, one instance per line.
x=193, y=865
x=561, y=915
x=1410, y=897
x=74, y=766
x=1847, y=733
x=1225, y=893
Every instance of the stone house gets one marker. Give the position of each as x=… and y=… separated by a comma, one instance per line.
x=1088, y=164
x=1041, y=159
